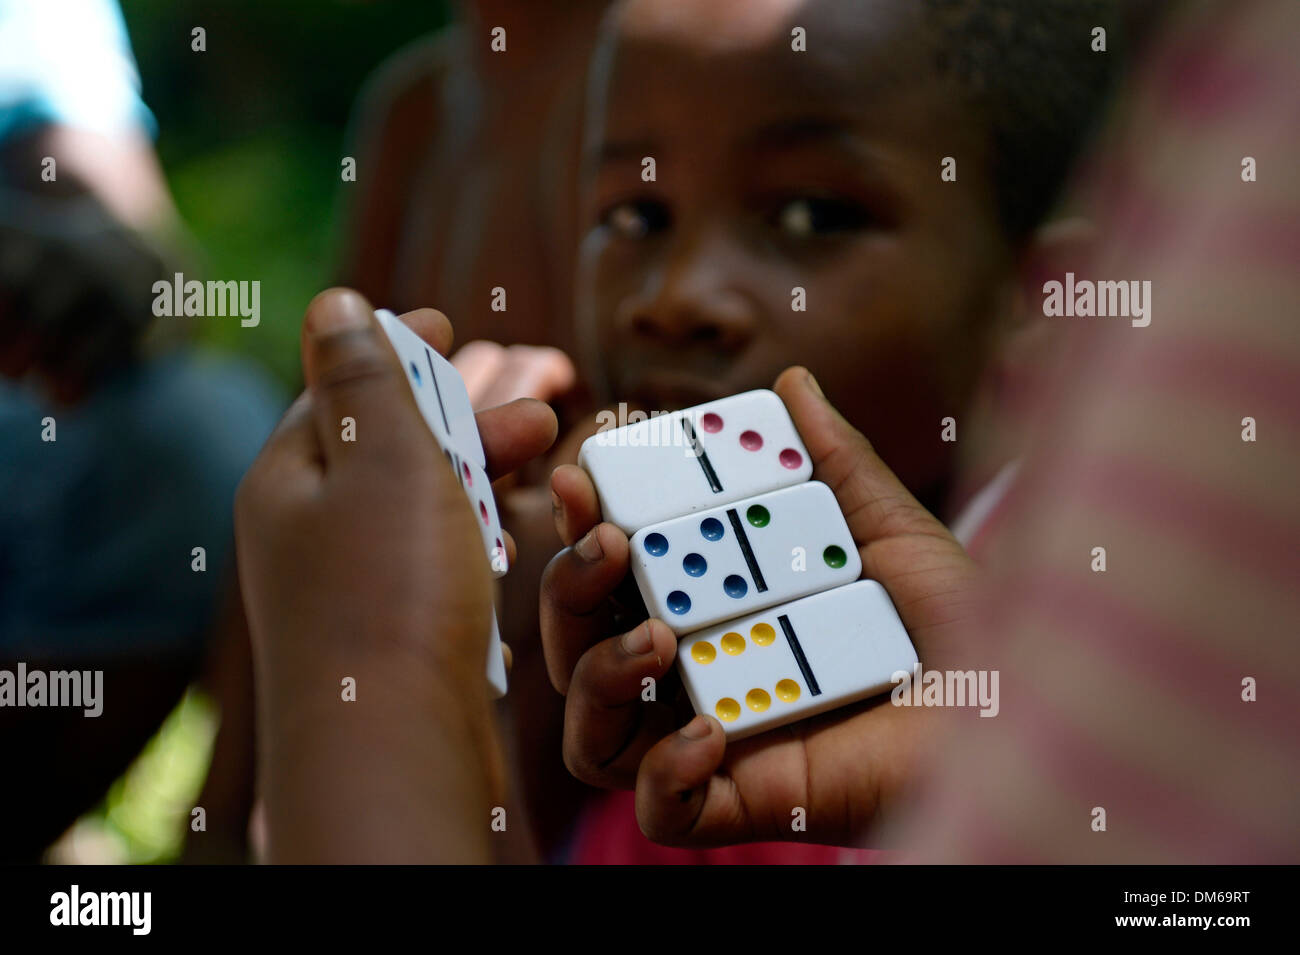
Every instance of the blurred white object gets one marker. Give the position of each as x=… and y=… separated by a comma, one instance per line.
x=68, y=62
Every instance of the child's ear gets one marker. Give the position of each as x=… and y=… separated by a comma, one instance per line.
x=1062, y=244
x=1021, y=349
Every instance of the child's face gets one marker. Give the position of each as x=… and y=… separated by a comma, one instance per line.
x=777, y=169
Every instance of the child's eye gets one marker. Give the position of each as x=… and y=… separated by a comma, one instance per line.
x=807, y=216
x=636, y=219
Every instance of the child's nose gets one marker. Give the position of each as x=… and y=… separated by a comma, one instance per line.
x=694, y=308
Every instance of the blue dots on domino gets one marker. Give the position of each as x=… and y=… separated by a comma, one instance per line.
x=694, y=565
x=415, y=373
x=735, y=586
x=656, y=545
x=711, y=528
x=678, y=602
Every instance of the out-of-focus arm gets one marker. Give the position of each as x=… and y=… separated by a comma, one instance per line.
x=1126, y=690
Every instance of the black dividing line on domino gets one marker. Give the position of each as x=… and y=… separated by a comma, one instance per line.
x=746, y=550
x=437, y=392
x=702, y=456
x=788, y=629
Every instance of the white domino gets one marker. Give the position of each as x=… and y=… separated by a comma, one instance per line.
x=474, y=481
x=444, y=403
x=439, y=390
x=697, y=458
x=797, y=659
x=713, y=565
x=496, y=661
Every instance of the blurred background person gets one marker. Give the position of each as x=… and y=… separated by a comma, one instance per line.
x=1150, y=700
x=119, y=449
x=467, y=143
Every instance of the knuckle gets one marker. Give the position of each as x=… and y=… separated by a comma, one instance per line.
x=558, y=583
x=578, y=762
x=249, y=493
x=356, y=370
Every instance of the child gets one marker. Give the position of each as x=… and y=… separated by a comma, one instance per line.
x=469, y=141
x=841, y=185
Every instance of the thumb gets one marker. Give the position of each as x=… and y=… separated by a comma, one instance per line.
x=353, y=373
x=874, y=501
x=928, y=575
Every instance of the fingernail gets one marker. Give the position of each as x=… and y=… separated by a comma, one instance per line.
x=589, y=548
x=639, y=641
x=697, y=728
x=556, y=506
x=344, y=313
x=814, y=387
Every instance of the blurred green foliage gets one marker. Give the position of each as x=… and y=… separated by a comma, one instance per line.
x=145, y=815
x=251, y=135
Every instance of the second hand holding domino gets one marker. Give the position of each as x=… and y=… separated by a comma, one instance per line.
x=745, y=530
x=693, y=786
x=444, y=403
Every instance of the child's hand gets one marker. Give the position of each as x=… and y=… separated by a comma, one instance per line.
x=846, y=768
x=495, y=374
x=361, y=559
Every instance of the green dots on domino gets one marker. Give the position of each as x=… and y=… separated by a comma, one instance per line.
x=835, y=557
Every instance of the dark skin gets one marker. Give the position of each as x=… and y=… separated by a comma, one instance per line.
x=850, y=770
x=909, y=293
x=467, y=164
x=816, y=169
x=352, y=562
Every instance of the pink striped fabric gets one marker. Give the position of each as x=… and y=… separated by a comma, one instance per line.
x=1122, y=691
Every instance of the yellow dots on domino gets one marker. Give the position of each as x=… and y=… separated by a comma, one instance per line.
x=728, y=710
x=762, y=634
x=702, y=652
x=733, y=644
x=787, y=691
x=758, y=700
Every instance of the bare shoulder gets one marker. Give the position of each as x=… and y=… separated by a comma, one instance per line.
x=405, y=91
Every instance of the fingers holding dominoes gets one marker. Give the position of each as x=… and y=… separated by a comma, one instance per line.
x=681, y=798
x=895, y=534
x=573, y=503
x=874, y=501
x=611, y=720
x=432, y=326
x=575, y=610
x=498, y=374
x=697, y=787
x=351, y=372
x=515, y=433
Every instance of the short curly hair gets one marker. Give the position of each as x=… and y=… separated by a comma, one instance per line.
x=77, y=281
x=1028, y=70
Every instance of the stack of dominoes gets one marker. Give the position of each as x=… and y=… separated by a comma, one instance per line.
x=748, y=561
x=444, y=403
